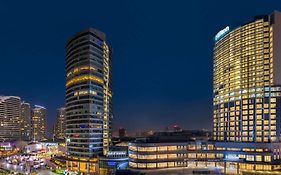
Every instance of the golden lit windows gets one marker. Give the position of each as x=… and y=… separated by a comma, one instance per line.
x=259, y=122
x=162, y=156
x=258, y=158
x=78, y=69
x=259, y=128
x=172, y=148
x=267, y=158
x=272, y=116
x=85, y=92
x=151, y=165
x=84, y=78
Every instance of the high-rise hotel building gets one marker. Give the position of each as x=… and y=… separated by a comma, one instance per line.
x=247, y=81
x=247, y=107
x=60, y=126
x=88, y=98
x=25, y=121
x=10, y=112
x=38, y=122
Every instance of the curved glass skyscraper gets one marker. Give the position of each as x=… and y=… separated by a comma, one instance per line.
x=88, y=98
x=247, y=81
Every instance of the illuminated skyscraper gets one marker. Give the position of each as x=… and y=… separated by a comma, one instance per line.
x=60, y=126
x=38, y=122
x=247, y=81
x=25, y=121
x=247, y=107
x=10, y=112
x=88, y=98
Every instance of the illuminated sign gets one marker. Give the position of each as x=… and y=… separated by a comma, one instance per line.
x=232, y=157
x=116, y=153
x=38, y=106
x=222, y=33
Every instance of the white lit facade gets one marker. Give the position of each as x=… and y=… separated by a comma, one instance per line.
x=10, y=112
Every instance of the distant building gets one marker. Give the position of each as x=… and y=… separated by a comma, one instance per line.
x=183, y=135
x=10, y=112
x=25, y=121
x=38, y=122
x=122, y=132
x=174, y=127
x=60, y=125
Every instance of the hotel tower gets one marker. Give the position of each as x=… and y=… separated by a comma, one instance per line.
x=88, y=99
x=38, y=123
x=10, y=112
x=59, y=127
x=25, y=121
x=247, y=107
x=247, y=81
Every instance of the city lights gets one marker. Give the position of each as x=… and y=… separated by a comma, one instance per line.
x=140, y=88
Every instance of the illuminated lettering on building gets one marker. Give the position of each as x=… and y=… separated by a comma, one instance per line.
x=231, y=157
x=222, y=33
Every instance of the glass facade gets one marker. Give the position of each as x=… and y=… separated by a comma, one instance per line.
x=246, y=84
x=38, y=123
x=229, y=157
x=88, y=97
x=10, y=113
x=246, y=102
x=60, y=126
x=25, y=121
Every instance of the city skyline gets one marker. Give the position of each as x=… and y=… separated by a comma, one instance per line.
x=137, y=93
x=140, y=87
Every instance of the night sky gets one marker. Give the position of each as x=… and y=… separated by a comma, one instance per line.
x=162, y=54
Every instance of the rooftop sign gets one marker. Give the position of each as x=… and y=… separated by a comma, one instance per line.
x=38, y=106
x=222, y=33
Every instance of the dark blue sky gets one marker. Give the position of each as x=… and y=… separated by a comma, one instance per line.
x=162, y=53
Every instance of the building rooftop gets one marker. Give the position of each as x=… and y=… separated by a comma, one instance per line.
x=176, y=136
x=3, y=98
